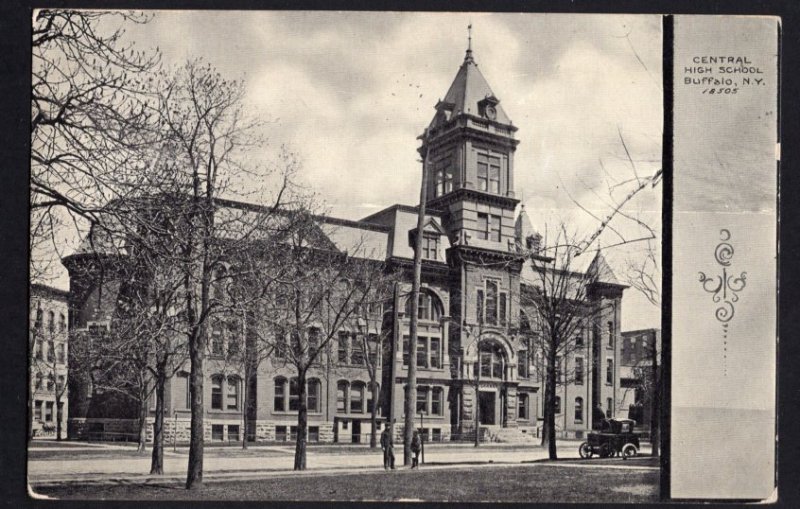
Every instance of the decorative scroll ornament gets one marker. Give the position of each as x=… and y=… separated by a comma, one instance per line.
x=724, y=288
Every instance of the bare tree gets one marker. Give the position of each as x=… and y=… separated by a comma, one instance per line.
x=556, y=300
x=318, y=294
x=207, y=134
x=89, y=122
x=373, y=334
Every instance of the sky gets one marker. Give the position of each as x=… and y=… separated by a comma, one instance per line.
x=349, y=93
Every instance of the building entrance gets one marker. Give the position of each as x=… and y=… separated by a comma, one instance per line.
x=486, y=402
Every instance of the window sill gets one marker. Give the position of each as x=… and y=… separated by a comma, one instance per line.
x=293, y=412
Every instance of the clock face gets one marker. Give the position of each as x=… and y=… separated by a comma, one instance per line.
x=491, y=113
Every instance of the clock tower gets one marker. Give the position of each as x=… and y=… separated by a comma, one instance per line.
x=470, y=148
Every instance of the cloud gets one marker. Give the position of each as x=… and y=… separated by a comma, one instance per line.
x=349, y=92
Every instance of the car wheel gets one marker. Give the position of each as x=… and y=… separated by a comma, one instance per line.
x=585, y=451
x=629, y=451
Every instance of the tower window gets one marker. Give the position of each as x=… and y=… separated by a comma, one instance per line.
x=492, y=304
x=489, y=227
x=488, y=173
x=443, y=176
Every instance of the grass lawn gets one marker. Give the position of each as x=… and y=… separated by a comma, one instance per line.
x=538, y=483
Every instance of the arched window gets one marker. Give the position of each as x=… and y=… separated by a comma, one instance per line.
x=357, y=398
x=522, y=407
x=39, y=317
x=62, y=322
x=491, y=359
x=232, y=393
x=341, y=395
x=216, y=392
x=578, y=410
x=313, y=395
x=51, y=351
x=294, y=395
x=280, y=395
x=430, y=307
x=51, y=321
x=39, y=380
x=181, y=391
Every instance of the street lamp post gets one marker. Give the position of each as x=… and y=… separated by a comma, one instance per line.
x=422, y=432
x=477, y=395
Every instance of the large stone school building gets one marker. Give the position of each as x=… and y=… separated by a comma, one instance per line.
x=472, y=273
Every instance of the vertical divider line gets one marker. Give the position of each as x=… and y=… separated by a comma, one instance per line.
x=668, y=34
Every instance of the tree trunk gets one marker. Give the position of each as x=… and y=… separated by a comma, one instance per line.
x=142, y=425
x=59, y=416
x=549, y=429
x=194, y=475
x=245, y=380
x=655, y=411
x=373, y=438
x=157, y=461
x=302, y=425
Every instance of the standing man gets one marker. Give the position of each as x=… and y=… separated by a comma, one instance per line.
x=416, y=447
x=387, y=444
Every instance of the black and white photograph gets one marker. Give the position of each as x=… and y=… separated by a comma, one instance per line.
x=400, y=256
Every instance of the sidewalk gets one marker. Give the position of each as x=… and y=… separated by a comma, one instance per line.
x=253, y=466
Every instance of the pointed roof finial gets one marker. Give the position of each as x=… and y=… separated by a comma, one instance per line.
x=468, y=57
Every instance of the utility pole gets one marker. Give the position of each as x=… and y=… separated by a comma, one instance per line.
x=478, y=393
x=411, y=393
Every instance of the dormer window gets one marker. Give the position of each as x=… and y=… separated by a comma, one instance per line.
x=430, y=247
x=487, y=107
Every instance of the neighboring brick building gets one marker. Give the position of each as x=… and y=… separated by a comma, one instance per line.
x=48, y=350
x=472, y=265
x=640, y=350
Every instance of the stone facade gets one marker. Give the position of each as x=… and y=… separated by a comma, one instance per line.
x=472, y=359
x=49, y=351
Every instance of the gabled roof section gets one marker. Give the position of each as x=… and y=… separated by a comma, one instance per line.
x=600, y=271
x=432, y=226
x=468, y=89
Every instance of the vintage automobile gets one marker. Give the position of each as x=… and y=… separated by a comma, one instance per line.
x=615, y=437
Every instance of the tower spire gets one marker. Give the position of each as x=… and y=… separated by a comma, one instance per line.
x=468, y=57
